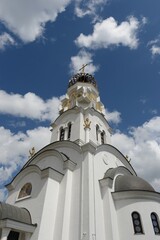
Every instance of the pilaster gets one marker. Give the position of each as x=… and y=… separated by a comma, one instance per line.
x=88, y=228
x=5, y=233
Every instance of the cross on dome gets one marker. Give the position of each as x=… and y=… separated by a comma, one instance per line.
x=83, y=67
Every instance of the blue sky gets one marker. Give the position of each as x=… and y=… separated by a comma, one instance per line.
x=44, y=42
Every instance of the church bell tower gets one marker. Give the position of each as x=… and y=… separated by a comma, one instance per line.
x=80, y=187
x=82, y=113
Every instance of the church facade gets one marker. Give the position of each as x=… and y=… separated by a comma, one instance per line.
x=80, y=187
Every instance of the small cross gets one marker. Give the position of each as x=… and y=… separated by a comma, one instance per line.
x=83, y=67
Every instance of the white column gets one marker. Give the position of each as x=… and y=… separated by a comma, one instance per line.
x=63, y=209
x=67, y=207
x=88, y=227
x=66, y=133
x=5, y=233
x=99, y=136
x=58, y=134
x=48, y=218
x=87, y=134
x=87, y=128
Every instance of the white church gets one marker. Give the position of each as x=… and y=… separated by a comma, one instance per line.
x=80, y=187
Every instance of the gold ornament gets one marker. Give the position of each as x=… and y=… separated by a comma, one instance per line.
x=87, y=123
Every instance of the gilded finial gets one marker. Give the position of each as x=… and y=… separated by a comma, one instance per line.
x=129, y=159
x=32, y=152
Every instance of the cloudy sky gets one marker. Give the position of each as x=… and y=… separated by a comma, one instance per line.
x=44, y=42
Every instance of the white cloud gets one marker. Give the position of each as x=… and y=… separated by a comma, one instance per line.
x=155, y=46
x=29, y=105
x=12, y=145
x=83, y=57
x=108, y=32
x=6, y=40
x=14, y=150
x=83, y=8
x=155, y=50
x=16, y=124
x=142, y=145
x=27, y=19
x=113, y=117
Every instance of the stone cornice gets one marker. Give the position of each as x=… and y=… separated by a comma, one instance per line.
x=7, y=223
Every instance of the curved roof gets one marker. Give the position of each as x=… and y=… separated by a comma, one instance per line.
x=131, y=183
x=112, y=172
x=82, y=77
x=11, y=212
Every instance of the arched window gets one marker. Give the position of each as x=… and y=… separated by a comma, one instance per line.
x=25, y=190
x=102, y=137
x=97, y=131
x=69, y=130
x=137, y=225
x=155, y=223
x=62, y=132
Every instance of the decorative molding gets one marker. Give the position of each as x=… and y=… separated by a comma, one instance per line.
x=68, y=164
x=7, y=223
x=45, y=173
x=108, y=182
x=90, y=147
x=51, y=173
x=79, y=142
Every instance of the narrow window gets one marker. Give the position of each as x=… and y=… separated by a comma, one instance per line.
x=69, y=130
x=155, y=223
x=13, y=235
x=97, y=131
x=62, y=131
x=25, y=190
x=102, y=137
x=137, y=225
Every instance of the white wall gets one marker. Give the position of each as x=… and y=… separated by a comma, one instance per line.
x=144, y=207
